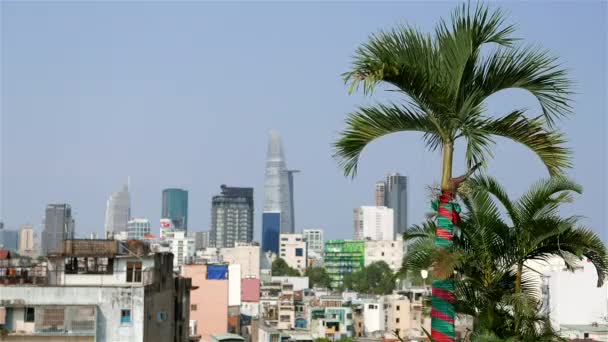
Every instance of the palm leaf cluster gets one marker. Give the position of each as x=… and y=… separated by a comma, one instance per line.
x=494, y=246
x=446, y=77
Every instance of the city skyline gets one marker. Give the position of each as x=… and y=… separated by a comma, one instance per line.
x=158, y=77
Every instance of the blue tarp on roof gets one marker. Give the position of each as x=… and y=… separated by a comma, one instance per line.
x=218, y=272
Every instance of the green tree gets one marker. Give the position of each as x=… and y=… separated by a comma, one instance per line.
x=318, y=277
x=280, y=268
x=376, y=278
x=492, y=250
x=445, y=80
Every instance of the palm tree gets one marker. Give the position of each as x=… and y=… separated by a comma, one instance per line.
x=491, y=254
x=445, y=80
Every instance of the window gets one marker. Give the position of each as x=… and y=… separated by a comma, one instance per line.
x=125, y=316
x=133, y=272
x=397, y=307
x=299, y=252
x=397, y=320
x=161, y=316
x=30, y=314
x=397, y=331
x=193, y=307
x=359, y=326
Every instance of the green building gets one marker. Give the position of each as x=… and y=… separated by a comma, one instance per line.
x=342, y=257
x=175, y=207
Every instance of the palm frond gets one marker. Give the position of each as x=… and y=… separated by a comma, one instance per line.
x=529, y=69
x=544, y=197
x=532, y=134
x=370, y=123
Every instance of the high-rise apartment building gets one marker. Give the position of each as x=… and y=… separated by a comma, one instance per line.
x=27, y=246
x=175, y=207
x=293, y=251
x=58, y=226
x=231, y=217
x=201, y=240
x=373, y=223
x=137, y=228
x=278, y=216
x=396, y=199
x=380, y=194
x=314, y=239
x=118, y=212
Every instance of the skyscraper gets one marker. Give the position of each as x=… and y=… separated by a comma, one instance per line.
x=26, y=240
x=201, y=240
x=175, y=207
x=278, y=215
x=396, y=199
x=231, y=217
x=58, y=226
x=380, y=194
x=118, y=212
x=9, y=239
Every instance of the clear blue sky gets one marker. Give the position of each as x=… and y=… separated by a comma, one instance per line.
x=183, y=95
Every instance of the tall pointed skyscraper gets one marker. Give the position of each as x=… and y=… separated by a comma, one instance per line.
x=278, y=216
x=118, y=211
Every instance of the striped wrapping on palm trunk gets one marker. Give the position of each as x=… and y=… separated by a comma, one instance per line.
x=442, y=313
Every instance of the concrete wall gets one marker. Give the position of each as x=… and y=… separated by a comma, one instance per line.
x=211, y=300
x=246, y=256
x=390, y=252
x=234, y=285
x=109, y=301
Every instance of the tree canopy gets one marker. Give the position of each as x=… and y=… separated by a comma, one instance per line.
x=376, y=278
x=318, y=277
x=280, y=268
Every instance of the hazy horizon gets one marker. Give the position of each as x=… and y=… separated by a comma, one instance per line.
x=184, y=94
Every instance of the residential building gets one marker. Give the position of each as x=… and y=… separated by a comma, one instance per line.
x=180, y=244
x=373, y=223
x=58, y=226
x=97, y=290
x=201, y=240
x=137, y=228
x=380, y=194
x=245, y=254
x=391, y=252
x=27, y=244
x=333, y=323
x=396, y=199
x=314, y=239
x=298, y=283
x=208, y=299
x=293, y=251
x=564, y=292
x=231, y=217
x=118, y=212
x=342, y=257
x=9, y=239
x=278, y=216
x=175, y=207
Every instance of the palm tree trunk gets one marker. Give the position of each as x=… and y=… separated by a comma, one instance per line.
x=520, y=269
x=443, y=313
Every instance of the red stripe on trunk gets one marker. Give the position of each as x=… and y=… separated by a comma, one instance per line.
x=438, y=336
x=438, y=314
x=445, y=234
x=444, y=294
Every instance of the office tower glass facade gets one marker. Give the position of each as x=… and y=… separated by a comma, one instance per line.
x=396, y=199
x=175, y=207
x=278, y=191
x=137, y=228
x=118, y=212
x=58, y=226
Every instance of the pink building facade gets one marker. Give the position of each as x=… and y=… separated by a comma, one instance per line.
x=208, y=302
